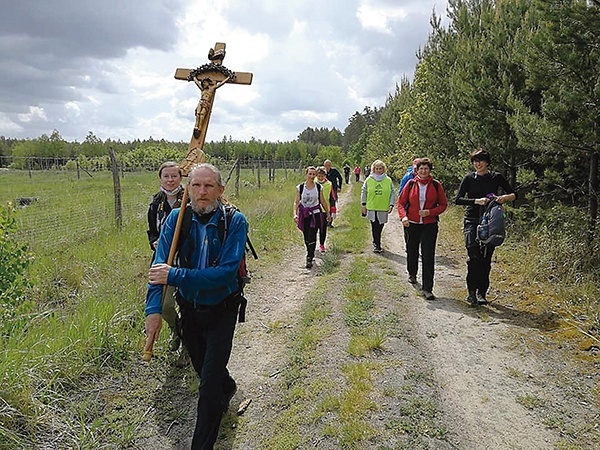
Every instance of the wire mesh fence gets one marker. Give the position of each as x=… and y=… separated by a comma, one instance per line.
x=59, y=207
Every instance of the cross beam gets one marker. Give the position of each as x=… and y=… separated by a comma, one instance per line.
x=208, y=77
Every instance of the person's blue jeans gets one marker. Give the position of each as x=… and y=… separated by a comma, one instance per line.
x=207, y=334
x=423, y=237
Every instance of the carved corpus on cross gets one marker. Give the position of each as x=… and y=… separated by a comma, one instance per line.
x=208, y=77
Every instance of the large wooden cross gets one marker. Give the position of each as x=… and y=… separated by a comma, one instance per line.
x=208, y=77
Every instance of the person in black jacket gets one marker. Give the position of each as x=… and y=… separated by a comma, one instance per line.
x=335, y=177
x=167, y=198
x=347, y=173
x=476, y=190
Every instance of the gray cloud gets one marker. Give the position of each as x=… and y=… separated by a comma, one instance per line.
x=107, y=67
x=47, y=48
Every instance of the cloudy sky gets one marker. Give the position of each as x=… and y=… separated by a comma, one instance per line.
x=107, y=67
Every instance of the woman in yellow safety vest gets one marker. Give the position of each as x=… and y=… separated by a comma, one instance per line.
x=377, y=198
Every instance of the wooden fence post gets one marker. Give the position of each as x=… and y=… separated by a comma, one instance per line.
x=117, y=187
x=237, y=179
x=258, y=173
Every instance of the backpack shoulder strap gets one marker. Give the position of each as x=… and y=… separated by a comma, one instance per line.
x=186, y=226
x=223, y=225
x=301, y=187
x=223, y=228
x=409, y=185
x=159, y=197
x=184, y=234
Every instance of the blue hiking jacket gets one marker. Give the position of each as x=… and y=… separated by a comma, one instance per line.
x=213, y=283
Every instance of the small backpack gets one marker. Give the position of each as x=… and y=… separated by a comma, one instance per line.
x=244, y=276
x=491, y=229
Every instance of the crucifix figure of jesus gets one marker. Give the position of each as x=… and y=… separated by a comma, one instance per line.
x=208, y=77
x=208, y=88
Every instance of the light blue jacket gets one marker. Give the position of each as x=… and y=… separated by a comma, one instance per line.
x=214, y=275
x=408, y=175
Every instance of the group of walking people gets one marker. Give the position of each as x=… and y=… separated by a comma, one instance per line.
x=315, y=206
x=200, y=298
x=420, y=200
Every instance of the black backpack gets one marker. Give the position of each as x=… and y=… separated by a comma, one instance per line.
x=182, y=259
x=491, y=230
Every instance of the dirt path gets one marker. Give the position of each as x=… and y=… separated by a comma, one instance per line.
x=473, y=354
x=499, y=382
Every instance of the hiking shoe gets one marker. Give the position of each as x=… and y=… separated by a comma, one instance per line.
x=309, y=263
x=480, y=298
x=472, y=298
x=322, y=248
x=412, y=279
x=428, y=295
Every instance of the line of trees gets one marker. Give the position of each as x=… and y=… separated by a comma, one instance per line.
x=312, y=145
x=519, y=77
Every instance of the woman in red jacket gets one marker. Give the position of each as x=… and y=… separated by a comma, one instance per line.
x=421, y=202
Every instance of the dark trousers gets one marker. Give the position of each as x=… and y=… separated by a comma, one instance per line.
x=208, y=338
x=310, y=234
x=357, y=175
x=423, y=237
x=323, y=232
x=376, y=230
x=479, y=261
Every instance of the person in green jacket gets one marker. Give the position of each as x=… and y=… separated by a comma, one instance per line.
x=377, y=198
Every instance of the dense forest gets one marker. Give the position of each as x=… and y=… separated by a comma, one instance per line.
x=518, y=77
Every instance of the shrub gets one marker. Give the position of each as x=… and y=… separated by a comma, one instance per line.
x=560, y=235
x=14, y=261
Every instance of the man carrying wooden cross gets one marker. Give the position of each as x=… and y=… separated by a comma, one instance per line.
x=205, y=275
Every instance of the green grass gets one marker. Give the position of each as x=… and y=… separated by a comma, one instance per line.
x=89, y=288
